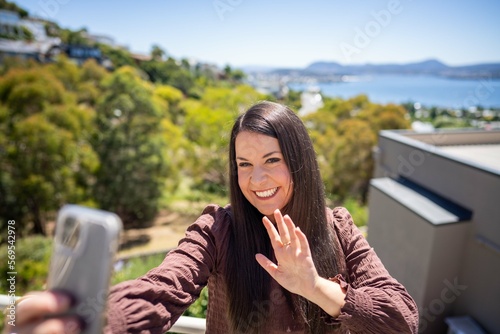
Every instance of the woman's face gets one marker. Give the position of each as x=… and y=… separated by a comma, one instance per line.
x=263, y=175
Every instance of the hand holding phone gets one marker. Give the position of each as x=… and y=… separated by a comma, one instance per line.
x=85, y=244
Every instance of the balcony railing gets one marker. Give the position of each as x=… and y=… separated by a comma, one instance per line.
x=184, y=325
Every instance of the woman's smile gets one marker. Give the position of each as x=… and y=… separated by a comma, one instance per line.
x=267, y=193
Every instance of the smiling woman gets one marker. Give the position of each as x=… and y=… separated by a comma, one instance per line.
x=276, y=260
x=277, y=157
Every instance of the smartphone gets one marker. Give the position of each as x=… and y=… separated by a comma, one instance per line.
x=85, y=244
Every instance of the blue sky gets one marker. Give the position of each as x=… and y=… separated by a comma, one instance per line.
x=291, y=33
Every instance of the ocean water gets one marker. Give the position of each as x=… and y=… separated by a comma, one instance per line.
x=427, y=90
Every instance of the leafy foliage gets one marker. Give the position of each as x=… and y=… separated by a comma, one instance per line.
x=75, y=37
x=170, y=73
x=46, y=160
x=118, y=56
x=11, y=6
x=171, y=97
x=199, y=308
x=344, y=133
x=130, y=148
x=32, y=263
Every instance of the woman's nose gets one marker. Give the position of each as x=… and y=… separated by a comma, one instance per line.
x=258, y=176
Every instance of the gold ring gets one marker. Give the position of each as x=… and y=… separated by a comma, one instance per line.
x=287, y=244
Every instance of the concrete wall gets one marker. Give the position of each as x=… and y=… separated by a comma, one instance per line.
x=425, y=257
x=451, y=268
x=427, y=166
x=480, y=273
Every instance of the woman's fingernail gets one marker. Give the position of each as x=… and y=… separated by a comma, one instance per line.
x=63, y=300
x=74, y=325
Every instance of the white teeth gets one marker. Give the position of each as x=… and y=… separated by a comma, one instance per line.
x=267, y=193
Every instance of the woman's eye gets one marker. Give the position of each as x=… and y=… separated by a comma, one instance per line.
x=243, y=164
x=273, y=160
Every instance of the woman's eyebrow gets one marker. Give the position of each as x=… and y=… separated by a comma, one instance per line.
x=270, y=153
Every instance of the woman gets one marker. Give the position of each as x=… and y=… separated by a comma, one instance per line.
x=276, y=260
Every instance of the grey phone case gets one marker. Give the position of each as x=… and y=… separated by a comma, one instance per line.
x=85, y=244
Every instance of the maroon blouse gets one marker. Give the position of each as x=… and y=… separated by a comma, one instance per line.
x=375, y=301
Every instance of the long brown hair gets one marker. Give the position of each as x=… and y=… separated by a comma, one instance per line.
x=247, y=282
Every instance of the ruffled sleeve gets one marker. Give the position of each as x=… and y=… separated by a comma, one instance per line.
x=375, y=302
x=153, y=302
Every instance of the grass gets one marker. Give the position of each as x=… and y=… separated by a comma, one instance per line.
x=135, y=267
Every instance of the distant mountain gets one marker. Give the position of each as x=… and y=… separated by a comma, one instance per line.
x=325, y=67
x=429, y=67
x=491, y=70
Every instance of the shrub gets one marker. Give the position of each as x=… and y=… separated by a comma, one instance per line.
x=358, y=211
x=32, y=259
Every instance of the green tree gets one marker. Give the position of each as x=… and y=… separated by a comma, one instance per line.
x=169, y=72
x=233, y=75
x=205, y=75
x=234, y=99
x=45, y=156
x=119, y=57
x=75, y=37
x=293, y=99
x=157, y=53
x=131, y=148
x=66, y=71
x=353, y=163
x=89, y=86
x=9, y=63
x=206, y=129
x=384, y=117
x=171, y=97
x=8, y=5
x=344, y=133
x=32, y=263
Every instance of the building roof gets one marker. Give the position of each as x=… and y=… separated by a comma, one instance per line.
x=487, y=155
x=477, y=148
